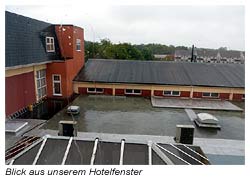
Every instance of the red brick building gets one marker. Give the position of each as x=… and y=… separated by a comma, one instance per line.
x=41, y=61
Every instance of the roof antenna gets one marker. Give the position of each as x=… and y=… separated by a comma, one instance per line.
x=192, y=54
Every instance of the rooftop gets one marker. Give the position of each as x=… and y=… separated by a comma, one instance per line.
x=112, y=119
x=135, y=115
x=158, y=72
x=25, y=41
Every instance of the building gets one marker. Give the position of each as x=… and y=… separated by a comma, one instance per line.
x=167, y=57
x=231, y=56
x=161, y=78
x=207, y=55
x=211, y=56
x=41, y=61
x=182, y=55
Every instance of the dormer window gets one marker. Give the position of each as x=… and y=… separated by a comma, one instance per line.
x=78, y=44
x=50, y=45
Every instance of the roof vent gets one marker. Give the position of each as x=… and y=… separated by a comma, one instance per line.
x=67, y=128
x=207, y=120
x=184, y=134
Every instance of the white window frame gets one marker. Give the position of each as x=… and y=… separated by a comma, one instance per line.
x=95, y=90
x=171, y=93
x=51, y=42
x=78, y=44
x=57, y=81
x=133, y=91
x=39, y=79
x=210, y=95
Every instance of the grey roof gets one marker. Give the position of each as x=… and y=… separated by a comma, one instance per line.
x=206, y=52
x=182, y=52
x=25, y=40
x=165, y=73
x=230, y=54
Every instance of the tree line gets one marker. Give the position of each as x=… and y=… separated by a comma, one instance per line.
x=105, y=49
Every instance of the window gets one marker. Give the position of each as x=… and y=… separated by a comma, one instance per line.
x=133, y=91
x=212, y=95
x=95, y=90
x=57, y=91
x=78, y=44
x=171, y=93
x=99, y=90
x=41, y=83
x=243, y=96
x=50, y=46
x=129, y=91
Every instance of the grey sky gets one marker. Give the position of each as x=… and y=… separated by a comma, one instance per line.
x=204, y=26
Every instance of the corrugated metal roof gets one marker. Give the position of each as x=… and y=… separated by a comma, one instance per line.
x=25, y=40
x=165, y=73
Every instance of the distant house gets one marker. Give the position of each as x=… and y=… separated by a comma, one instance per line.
x=211, y=56
x=231, y=56
x=41, y=60
x=167, y=57
x=182, y=55
x=207, y=55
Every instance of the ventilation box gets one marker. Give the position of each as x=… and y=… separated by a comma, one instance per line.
x=67, y=128
x=184, y=134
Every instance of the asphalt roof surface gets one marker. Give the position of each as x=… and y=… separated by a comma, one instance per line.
x=164, y=73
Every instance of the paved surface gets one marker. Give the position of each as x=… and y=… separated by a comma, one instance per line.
x=194, y=104
x=191, y=114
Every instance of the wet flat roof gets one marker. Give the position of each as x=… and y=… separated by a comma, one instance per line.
x=132, y=115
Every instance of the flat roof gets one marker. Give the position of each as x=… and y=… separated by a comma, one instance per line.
x=162, y=73
x=135, y=115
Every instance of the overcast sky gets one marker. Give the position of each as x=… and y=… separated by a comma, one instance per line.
x=203, y=26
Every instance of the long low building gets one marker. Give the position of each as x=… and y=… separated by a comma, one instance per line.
x=155, y=78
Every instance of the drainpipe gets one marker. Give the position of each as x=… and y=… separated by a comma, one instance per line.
x=192, y=91
x=231, y=95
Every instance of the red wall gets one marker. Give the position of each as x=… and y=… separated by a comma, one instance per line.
x=119, y=92
x=146, y=93
x=197, y=94
x=107, y=91
x=19, y=92
x=224, y=96
x=68, y=68
x=82, y=90
x=158, y=93
x=65, y=39
x=185, y=94
x=237, y=97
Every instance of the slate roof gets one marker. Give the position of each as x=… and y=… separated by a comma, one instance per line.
x=231, y=54
x=164, y=73
x=182, y=52
x=25, y=40
x=206, y=52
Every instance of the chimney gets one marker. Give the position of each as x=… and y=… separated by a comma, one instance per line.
x=192, y=54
